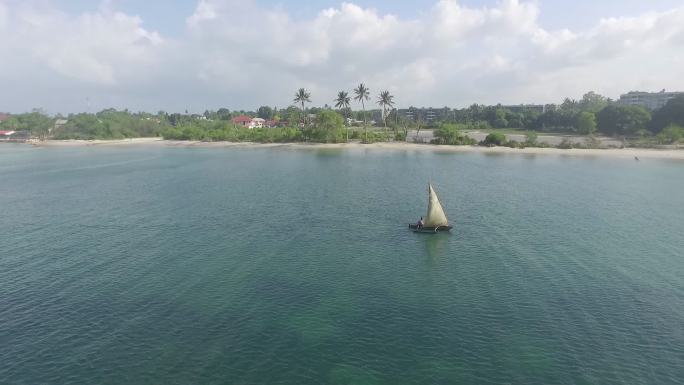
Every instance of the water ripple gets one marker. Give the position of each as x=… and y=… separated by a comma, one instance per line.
x=186, y=266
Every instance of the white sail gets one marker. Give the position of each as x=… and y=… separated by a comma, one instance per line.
x=435, y=213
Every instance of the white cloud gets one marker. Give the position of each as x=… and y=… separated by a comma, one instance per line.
x=99, y=48
x=240, y=55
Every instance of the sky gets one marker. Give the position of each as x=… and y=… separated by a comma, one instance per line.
x=67, y=56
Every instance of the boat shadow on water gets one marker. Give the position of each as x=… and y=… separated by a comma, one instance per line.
x=436, y=247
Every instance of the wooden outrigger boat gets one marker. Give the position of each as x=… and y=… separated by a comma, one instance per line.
x=435, y=220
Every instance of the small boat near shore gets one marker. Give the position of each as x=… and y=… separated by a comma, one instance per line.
x=435, y=219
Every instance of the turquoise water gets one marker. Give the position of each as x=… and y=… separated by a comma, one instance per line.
x=149, y=265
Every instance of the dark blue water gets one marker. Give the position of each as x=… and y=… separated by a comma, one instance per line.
x=152, y=265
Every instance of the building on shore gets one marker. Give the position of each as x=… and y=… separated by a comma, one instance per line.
x=57, y=126
x=14, y=136
x=258, y=123
x=427, y=115
x=520, y=108
x=431, y=116
x=250, y=122
x=649, y=100
x=244, y=121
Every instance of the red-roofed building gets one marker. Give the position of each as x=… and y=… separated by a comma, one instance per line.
x=249, y=122
x=3, y=116
x=14, y=136
x=242, y=120
x=7, y=136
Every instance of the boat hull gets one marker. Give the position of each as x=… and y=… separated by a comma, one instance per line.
x=426, y=229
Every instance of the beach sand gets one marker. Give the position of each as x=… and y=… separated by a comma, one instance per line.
x=401, y=146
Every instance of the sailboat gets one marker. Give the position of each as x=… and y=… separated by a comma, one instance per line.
x=435, y=220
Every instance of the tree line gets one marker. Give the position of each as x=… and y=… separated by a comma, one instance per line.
x=592, y=114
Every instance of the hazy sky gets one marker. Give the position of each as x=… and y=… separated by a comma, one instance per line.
x=75, y=55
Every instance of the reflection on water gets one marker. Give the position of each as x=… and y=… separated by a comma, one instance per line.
x=328, y=152
x=445, y=152
x=436, y=245
x=494, y=154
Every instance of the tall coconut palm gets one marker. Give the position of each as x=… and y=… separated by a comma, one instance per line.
x=385, y=100
x=362, y=94
x=303, y=96
x=342, y=102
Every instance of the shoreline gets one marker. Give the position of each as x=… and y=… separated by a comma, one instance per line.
x=159, y=142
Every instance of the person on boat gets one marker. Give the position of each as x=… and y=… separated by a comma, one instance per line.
x=420, y=223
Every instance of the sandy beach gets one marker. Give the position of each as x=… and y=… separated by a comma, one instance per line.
x=396, y=146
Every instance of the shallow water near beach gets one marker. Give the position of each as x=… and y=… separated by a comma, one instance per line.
x=158, y=265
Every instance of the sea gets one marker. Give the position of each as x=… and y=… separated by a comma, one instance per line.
x=189, y=265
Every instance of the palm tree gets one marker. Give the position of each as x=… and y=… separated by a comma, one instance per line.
x=303, y=96
x=342, y=102
x=385, y=100
x=362, y=93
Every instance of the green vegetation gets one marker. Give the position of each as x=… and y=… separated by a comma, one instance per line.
x=266, y=112
x=531, y=138
x=671, y=113
x=449, y=133
x=385, y=100
x=303, y=96
x=370, y=136
x=494, y=139
x=363, y=94
x=592, y=115
x=110, y=124
x=343, y=102
x=36, y=122
x=672, y=134
x=586, y=123
x=328, y=128
x=623, y=120
x=228, y=132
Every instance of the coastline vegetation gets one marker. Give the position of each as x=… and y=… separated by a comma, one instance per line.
x=589, y=117
x=452, y=134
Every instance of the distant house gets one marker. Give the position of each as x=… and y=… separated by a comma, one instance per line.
x=271, y=124
x=258, y=123
x=3, y=117
x=59, y=123
x=354, y=122
x=521, y=108
x=242, y=120
x=14, y=136
x=249, y=122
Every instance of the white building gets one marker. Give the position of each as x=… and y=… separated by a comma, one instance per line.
x=649, y=100
x=257, y=123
